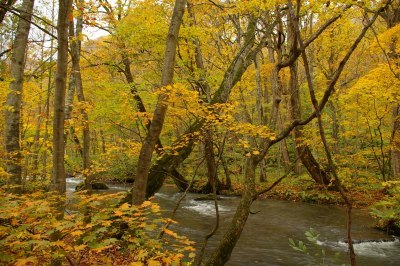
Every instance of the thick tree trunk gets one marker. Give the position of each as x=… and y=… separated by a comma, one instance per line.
x=58, y=183
x=14, y=97
x=146, y=152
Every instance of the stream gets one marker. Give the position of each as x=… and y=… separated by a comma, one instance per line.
x=265, y=239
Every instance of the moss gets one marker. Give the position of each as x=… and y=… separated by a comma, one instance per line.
x=95, y=186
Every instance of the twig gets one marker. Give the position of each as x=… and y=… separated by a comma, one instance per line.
x=332, y=166
x=180, y=200
x=4, y=52
x=33, y=23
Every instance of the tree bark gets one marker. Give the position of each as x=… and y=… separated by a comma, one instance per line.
x=58, y=183
x=391, y=15
x=319, y=175
x=179, y=179
x=76, y=73
x=212, y=168
x=5, y=5
x=259, y=106
x=146, y=152
x=232, y=234
x=395, y=143
x=306, y=156
x=233, y=74
x=14, y=97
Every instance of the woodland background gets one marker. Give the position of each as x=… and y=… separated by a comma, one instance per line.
x=247, y=93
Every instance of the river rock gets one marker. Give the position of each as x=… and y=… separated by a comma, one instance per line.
x=207, y=197
x=95, y=186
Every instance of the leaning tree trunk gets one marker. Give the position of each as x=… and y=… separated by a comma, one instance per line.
x=146, y=152
x=14, y=97
x=232, y=234
x=319, y=175
x=58, y=183
x=233, y=74
x=307, y=158
x=178, y=179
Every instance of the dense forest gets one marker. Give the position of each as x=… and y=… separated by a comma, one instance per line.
x=252, y=99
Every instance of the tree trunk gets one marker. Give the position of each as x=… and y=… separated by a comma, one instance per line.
x=212, y=168
x=395, y=143
x=225, y=247
x=178, y=179
x=233, y=74
x=228, y=180
x=335, y=126
x=14, y=97
x=76, y=73
x=319, y=175
x=259, y=106
x=7, y=4
x=58, y=183
x=103, y=142
x=307, y=158
x=146, y=152
x=391, y=15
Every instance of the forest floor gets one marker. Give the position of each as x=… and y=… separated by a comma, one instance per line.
x=304, y=189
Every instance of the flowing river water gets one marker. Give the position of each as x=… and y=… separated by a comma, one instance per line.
x=265, y=239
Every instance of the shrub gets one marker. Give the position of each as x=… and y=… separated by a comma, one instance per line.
x=94, y=230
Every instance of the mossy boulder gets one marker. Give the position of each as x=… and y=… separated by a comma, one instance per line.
x=95, y=186
x=207, y=197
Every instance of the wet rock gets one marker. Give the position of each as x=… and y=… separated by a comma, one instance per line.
x=95, y=186
x=207, y=197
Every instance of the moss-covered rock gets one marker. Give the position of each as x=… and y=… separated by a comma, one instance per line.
x=95, y=186
x=207, y=197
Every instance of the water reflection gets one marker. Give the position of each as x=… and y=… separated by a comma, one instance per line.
x=264, y=240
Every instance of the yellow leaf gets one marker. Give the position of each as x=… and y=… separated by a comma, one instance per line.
x=167, y=260
x=256, y=152
x=146, y=204
x=154, y=263
x=124, y=206
x=101, y=248
x=37, y=236
x=118, y=213
x=25, y=261
x=79, y=248
x=136, y=263
x=106, y=223
x=77, y=233
x=58, y=243
x=171, y=233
